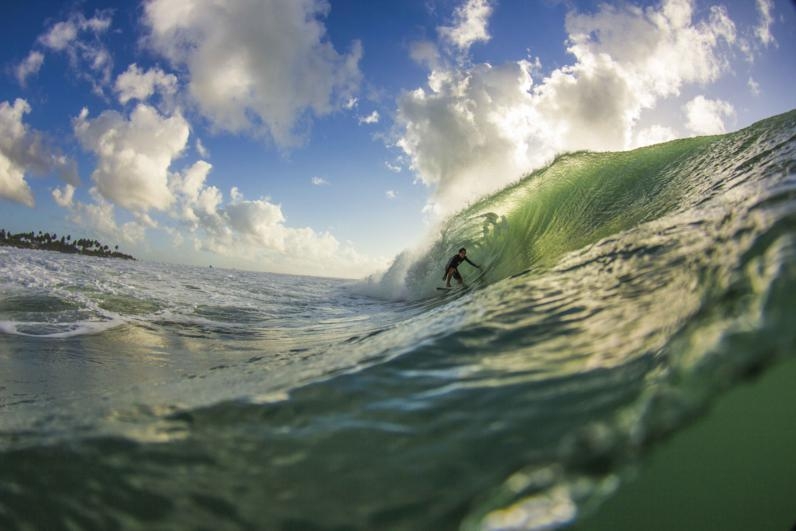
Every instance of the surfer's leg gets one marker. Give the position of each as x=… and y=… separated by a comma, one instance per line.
x=448, y=275
x=457, y=276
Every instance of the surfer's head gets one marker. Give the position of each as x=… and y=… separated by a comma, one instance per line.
x=462, y=252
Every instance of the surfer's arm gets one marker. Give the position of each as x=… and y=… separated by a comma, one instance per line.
x=472, y=263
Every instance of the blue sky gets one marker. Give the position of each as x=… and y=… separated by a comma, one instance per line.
x=325, y=137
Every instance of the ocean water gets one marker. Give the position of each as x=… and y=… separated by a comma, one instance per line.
x=624, y=296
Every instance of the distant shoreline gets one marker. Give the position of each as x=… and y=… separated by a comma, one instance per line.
x=65, y=244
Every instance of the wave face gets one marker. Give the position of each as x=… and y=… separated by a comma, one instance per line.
x=582, y=198
x=623, y=293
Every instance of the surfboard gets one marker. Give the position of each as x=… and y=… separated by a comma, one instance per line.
x=464, y=287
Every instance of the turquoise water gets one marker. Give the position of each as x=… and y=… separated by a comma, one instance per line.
x=623, y=295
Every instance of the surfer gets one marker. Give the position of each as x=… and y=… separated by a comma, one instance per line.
x=452, y=269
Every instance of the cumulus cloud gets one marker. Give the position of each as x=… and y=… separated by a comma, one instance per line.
x=602, y=95
x=474, y=128
x=264, y=67
x=136, y=83
x=64, y=197
x=133, y=155
x=23, y=150
x=12, y=182
x=80, y=39
x=372, y=118
x=133, y=171
x=469, y=132
x=197, y=202
x=63, y=35
x=100, y=216
x=60, y=36
x=391, y=194
x=12, y=138
x=320, y=181
x=29, y=67
x=255, y=232
x=706, y=116
x=469, y=24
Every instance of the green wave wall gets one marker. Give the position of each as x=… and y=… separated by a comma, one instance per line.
x=578, y=199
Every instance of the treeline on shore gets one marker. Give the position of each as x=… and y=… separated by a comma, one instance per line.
x=64, y=244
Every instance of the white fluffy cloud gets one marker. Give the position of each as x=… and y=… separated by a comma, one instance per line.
x=136, y=83
x=63, y=35
x=469, y=24
x=255, y=233
x=197, y=202
x=473, y=129
x=262, y=67
x=12, y=138
x=80, y=39
x=12, y=182
x=706, y=116
x=23, y=150
x=598, y=100
x=469, y=132
x=64, y=197
x=100, y=216
x=133, y=155
x=194, y=203
x=372, y=118
x=29, y=67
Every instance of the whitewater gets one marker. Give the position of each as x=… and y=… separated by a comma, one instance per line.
x=626, y=298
